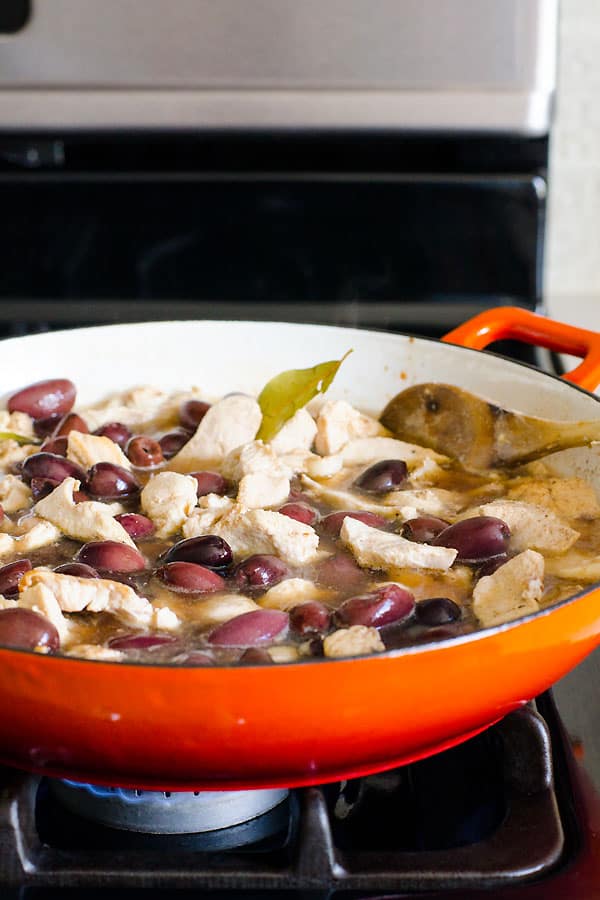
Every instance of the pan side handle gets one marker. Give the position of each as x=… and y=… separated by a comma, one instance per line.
x=512, y=322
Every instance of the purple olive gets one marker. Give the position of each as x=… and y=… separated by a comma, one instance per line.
x=332, y=523
x=111, y=556
x=79, y=570
x=27, y=629
x=198, y=658
x=207, y=550
x=437, y=611
x=476, y=539
x=68, y=423
x=144, y=452
x=117, y=432
x=190, y=578
x=11, y=574
x=107, y=481
x=261, y=626
x=255, y=656
x=55, y=445
x=41, y=487
x=310, y=618
x=387, y=604
x=141, y=641
x=171, y=443
x=301, y=512
x=386, y=475
x=44, y=398
x=491, y=565
x=49, y=465
x=192, y=412
x=423, y=529
x=340, y=571
x=210, y=483
x=45, y=427
x=137, y=526
x=259, y=572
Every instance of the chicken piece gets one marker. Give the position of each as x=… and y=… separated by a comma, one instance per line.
x=7, y=602
x=75, y=594
x=263, y=531
x=346, y=499
x=568, y=498
x=354, y=641
x=36, y=533
x=12, y=452
x=88, y=449
x=260, y=490
x=424, y=502
x=94, y=651
x=513, y=590
x=142, y=409
x=41, y=599
x=338, y=422
x=251, y=458
x=201, y=520
x=421, y=462
x=87, y=521
x=283, y=653
x=16, y=422
x=292, y=592
x=218, y=608
x=228, y=424
x=533, y=527
x=298, y=433
x=575, y=566
x=168, y=499
x=14, y=494
x=165, y=619
x=377, y=549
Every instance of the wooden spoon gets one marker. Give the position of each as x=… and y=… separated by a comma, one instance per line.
x=477, y=433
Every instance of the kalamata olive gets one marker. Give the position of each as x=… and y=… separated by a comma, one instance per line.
x=81, y=496
x=44, y=398
x=261, y=626
x=386, y=475
x=387, y=604
x=332, y=523
x=116, y=431
x=70, y=422
x=198, y=658
x=55, y=445
x=340, y=571
x=11, y=574
x=45, y=427
x=210, y=483
x=437, y=611
x=79, y=570
x=310, y=618
x=111, y=556
x=41, y=487
x=141, y=641
x=190, y=578
x=423, y=529
x=260, y=572
x=476, y=539
x=171, y=443
x=137, y=526
x=255, y=656
x=192, y=412
x=27, y=629
x=301, y=512
x=490, y=566
x=207, y=550
x=144, y=452
x=107, y=481
x=49, y=465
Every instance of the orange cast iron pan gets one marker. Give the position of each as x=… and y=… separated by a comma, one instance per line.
x=183, y=728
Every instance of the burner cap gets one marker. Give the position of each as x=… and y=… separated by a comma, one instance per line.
x=163, y=812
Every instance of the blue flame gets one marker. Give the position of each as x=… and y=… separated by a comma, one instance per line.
x=125, y=794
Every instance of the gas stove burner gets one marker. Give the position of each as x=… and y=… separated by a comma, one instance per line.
x=164, y=812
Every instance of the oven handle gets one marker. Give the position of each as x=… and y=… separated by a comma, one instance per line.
x=512, y=322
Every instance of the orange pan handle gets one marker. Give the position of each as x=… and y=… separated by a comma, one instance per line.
x=512, y=322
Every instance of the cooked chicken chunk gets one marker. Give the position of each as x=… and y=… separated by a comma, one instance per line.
x=94, y=651
x=228, y=424
x=168, y=499
x=88, y=449
x=263, y=531
x=143, y=409
x=75, y=594
x=338, y=422
x=36, y=533
x=424, y=502
x=165, y=619
x=354, y=641
x=251, y=458
x=41, y=599
x=12, y=452
x=260, y=490
x=16, y=422
x=574, y=567
x=569, y=498
x=87, y=521
x=512, y=591
x=292, y=592
x=341, y=499
x=218, y=608
x=210, y=509
x=377, y=549
x=298, y=433
x=14, y=494
x=7, y=602
x=420, y=461
x=533, y=527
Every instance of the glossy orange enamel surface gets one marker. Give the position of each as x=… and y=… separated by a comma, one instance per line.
x=512, y=322
x=188, y=728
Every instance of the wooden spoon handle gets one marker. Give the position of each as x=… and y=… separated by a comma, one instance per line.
x=512, y=322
